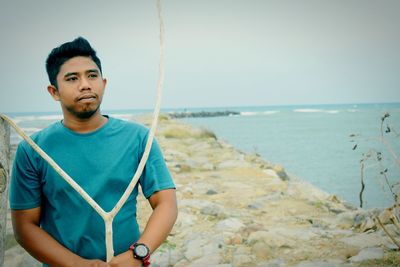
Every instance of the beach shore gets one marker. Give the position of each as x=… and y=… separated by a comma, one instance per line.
x=237, y=209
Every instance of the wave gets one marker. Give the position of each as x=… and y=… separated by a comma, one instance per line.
x=312, y=110
x=19, y=119
x=122, y=116
x=260, y=113
x=248, y=113
x=31, y=130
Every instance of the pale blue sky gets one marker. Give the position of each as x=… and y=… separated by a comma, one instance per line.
x=218, y=52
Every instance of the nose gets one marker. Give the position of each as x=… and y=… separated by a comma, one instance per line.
x=84, y=84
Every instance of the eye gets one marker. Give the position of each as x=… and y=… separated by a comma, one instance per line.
x=93, y=75
x=71, y=78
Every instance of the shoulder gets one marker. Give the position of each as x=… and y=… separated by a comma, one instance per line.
x=130, y=127
x=43, y=136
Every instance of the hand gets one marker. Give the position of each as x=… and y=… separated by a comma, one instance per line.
x=125, y=259
x=90, y=263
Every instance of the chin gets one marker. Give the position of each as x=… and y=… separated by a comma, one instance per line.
x=85, y=113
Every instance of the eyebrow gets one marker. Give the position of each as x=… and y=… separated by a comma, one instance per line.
x=76, y=73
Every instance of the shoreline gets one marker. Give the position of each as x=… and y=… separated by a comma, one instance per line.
x=237, y=209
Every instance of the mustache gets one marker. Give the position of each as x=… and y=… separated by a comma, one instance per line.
x=85, y=96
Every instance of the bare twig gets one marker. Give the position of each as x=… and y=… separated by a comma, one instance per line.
x=387, y=232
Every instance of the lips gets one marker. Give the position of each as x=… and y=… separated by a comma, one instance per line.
x=86, y=97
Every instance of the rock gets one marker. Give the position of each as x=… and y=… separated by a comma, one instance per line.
x=172, y=155
x=207, y=167
x=368, y=254
x=211, y=192
x=185, y=219
x=213, y=210
x=261, y=250
x=367, y=225
x=345, y=220
x=231, y=164
x=274, y=240
x=385, y=216
x=208, y=260
x=194, y=248
x=182, y=263
x=272, y=263
x=271, y=173
x=280, y=171
x=364, y=240
x=304, y=190
x=230, y=224
x=317, y=264
x=242, y=259
x=194, y=203
x=165, y=257
x=18, y=257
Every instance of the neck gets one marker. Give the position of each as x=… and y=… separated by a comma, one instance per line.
x=84, y=125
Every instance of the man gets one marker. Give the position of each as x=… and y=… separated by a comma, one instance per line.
x=50, y=219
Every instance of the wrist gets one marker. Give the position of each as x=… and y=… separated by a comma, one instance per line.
x=141, y=252
x=76, y=261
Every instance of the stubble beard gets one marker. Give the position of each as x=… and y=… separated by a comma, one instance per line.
x=86, y=113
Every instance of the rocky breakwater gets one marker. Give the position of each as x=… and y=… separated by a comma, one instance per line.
x=236, y=209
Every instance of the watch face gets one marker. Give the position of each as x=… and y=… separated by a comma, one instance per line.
x=141, y=251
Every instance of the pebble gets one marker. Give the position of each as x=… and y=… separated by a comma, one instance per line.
x=368, y=254
x=230, y=224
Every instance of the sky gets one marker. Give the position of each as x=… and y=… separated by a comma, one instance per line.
x=218, y=53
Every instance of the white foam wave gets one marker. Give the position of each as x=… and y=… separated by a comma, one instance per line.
x=50, y=117
x=270, y=112
x=332, y=111
x=312, y=110
x=19, y=119
x=254, y=113
x=31, y=130
x=248, y=113
x=122, y=116
x=307, y=110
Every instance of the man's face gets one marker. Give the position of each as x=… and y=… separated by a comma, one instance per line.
x=80, y=87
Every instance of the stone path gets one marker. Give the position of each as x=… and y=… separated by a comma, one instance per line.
x=237, y=209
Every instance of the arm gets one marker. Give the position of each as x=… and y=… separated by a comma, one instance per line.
x=158, y=227
x=41, y=245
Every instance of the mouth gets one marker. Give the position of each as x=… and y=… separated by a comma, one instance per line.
x=86, y=98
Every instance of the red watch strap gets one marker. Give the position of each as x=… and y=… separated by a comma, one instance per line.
x=145, y=260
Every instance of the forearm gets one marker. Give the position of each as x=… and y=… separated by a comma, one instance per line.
x=44, y=247
x=159, y=225
x=157, y=229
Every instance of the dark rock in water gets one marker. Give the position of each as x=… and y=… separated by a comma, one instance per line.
x=211, y=192
x=201, y=114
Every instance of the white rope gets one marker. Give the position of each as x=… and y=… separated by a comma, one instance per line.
x=108, y=217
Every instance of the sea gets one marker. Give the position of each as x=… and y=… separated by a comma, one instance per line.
x=322, y=144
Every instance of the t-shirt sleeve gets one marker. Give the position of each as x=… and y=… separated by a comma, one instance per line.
x=25, y=184
x=155, y=176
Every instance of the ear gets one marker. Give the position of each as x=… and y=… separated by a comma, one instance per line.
x=53, y=92
x=104, y=83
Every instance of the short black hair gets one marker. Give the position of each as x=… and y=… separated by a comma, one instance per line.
x=57, y=57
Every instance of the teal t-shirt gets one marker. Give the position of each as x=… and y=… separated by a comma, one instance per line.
x=103, y=163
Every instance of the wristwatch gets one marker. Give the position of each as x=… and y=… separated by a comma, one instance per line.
x=141, y=252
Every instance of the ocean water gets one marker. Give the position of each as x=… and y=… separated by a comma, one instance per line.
x=314, y=143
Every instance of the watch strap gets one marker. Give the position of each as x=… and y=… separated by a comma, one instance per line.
x=145, y=260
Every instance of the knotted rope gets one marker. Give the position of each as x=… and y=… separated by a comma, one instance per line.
x=108, y=217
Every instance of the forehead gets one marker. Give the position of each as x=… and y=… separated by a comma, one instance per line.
x=77, y=64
